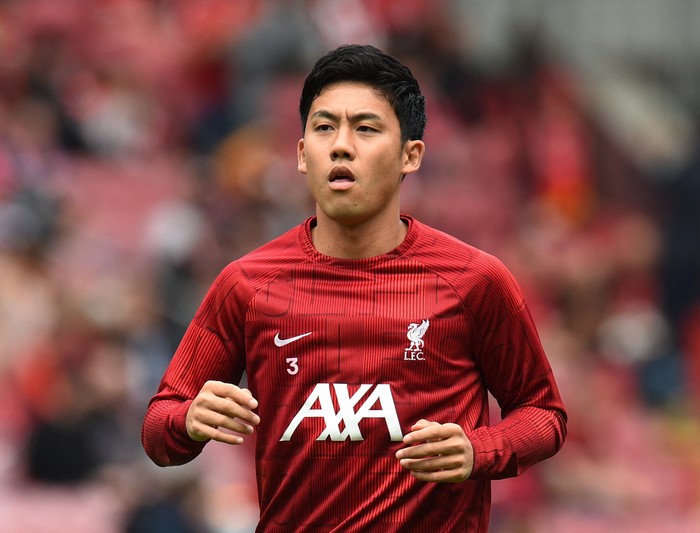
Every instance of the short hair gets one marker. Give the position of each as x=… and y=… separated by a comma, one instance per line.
x=386, y=74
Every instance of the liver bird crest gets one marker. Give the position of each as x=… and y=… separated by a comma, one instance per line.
x=415, y=334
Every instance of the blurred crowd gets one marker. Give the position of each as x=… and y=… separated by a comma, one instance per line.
x=144, y=144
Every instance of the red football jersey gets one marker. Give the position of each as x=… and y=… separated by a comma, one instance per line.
x=344, y=356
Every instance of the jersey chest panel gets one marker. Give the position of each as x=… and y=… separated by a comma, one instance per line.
x=352, y=337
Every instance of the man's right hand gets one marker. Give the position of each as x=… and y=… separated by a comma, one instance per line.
x=222, y=406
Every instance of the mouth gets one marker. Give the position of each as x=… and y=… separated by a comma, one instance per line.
x=341, y=178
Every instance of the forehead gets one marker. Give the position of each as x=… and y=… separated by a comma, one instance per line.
x=352, y=96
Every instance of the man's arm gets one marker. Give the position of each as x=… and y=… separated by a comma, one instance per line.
x=516, y=371
x=181, y=416
x=532, y=429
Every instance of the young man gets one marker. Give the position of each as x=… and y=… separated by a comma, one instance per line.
x=369, y=339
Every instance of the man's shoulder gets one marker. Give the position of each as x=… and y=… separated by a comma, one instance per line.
x=464, y=266
x=436, y=246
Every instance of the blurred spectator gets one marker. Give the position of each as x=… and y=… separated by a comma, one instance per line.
x=680, y=268
x=284, y=40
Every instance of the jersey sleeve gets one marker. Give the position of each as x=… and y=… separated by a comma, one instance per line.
x=517, y=373
x=211, y=349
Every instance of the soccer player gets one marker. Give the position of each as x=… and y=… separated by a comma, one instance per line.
x=369, y=339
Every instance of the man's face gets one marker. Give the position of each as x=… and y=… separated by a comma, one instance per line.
x=353, y=156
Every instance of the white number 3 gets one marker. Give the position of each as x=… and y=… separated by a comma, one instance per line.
x=293, y=363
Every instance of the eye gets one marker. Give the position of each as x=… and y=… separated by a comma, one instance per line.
x=364, y=128
x=323, y=127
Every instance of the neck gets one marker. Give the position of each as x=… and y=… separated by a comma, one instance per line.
x=357, y=241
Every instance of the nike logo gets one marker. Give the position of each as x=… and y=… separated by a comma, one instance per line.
x=283, y=342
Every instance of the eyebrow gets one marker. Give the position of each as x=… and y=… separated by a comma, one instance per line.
x=358, y=117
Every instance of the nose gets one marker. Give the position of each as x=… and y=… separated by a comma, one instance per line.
x=342, y=147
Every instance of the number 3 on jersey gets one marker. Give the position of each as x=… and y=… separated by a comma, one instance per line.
x=293, y=363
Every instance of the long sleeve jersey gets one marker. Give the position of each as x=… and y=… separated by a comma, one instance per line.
x=344, y=356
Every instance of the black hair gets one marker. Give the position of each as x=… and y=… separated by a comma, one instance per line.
x=386, y=74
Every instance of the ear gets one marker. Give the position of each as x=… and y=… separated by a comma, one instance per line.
x=412, y=156
x=301, y=156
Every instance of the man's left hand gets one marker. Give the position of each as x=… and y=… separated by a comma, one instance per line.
x=437, y=452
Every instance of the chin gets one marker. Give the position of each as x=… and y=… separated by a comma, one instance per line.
x=346, y=216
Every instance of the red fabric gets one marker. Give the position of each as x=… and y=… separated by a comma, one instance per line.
x=340, y=473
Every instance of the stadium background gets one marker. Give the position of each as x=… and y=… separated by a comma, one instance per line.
x=144, y=144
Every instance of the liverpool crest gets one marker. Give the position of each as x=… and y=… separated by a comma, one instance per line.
x=414, y=352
